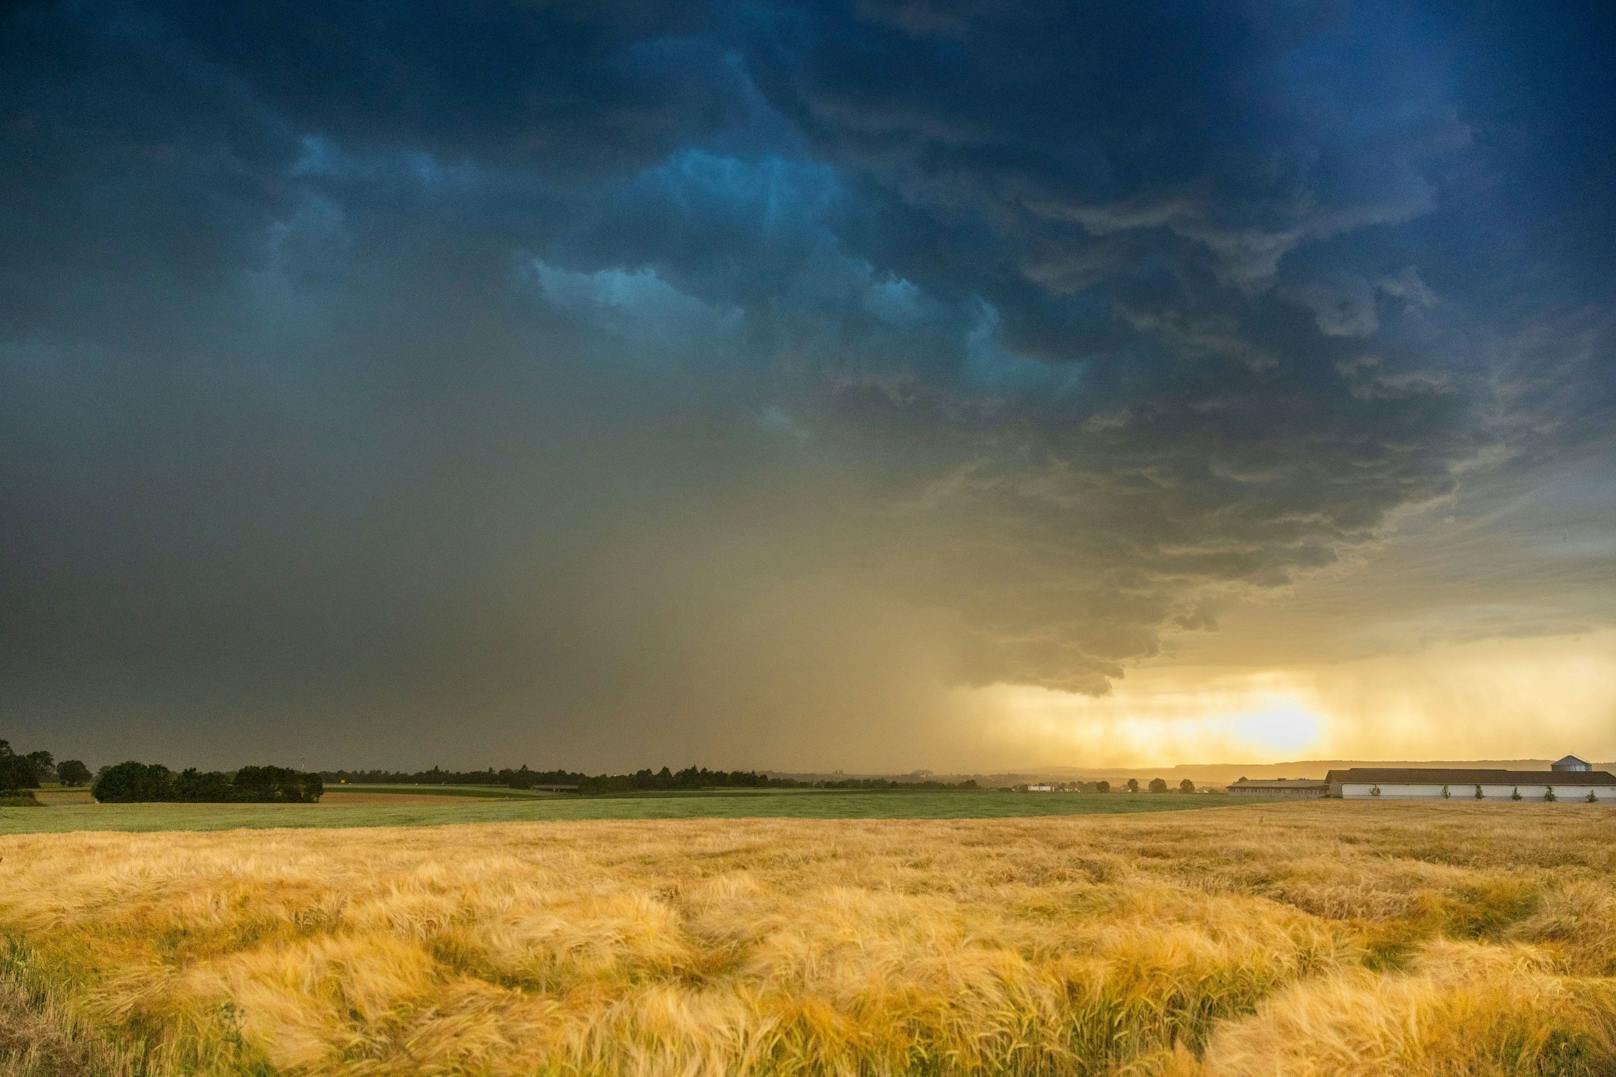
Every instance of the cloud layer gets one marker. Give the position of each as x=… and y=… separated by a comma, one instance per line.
x=726, y=381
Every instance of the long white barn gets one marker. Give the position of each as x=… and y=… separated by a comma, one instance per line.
x=1427, y=783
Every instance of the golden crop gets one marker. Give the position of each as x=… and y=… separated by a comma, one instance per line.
x=1291, y=939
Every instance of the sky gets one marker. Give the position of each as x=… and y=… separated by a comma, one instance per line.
x=887, y=385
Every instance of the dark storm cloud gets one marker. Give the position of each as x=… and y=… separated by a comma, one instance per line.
x=1123, y=191
x=564, y=88
x=699, y=375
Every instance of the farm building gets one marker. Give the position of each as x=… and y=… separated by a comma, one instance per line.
x=1301, y=788
x=1425, y=783
x=1570, y=762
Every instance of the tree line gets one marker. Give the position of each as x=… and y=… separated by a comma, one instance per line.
x=132, y=782
x=643, y=780
x=1157, y=785
x=21, y=773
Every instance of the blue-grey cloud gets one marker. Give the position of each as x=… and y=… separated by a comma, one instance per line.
x=624, y=370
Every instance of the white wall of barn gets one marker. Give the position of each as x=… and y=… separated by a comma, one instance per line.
x=1565, y=792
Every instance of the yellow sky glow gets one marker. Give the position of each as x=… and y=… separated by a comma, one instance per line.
x=1505, y=698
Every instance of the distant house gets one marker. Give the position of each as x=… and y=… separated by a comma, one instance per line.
x=1572, y=763
x=1300, y=788
x=1041, y=788
x=1427, y=783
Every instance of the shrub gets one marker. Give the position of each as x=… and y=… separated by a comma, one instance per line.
x=1516, y=793
x=1548, y=794
x=1446, y=793
x=1479, y=794
x=1591, y=798
x=1374, y=790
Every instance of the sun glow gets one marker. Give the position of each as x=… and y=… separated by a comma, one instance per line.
x=1259, y=718
x=1286, y=727
x=1494, y=699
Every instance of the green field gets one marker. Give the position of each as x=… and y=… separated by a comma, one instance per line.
x=491, y=792
x=727, y=804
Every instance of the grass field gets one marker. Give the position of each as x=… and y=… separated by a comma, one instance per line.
x=405, y=808
x=494, y=792
x=1316, y=938
x=56, y=794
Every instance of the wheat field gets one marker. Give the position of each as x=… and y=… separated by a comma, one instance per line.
x=1323, y=938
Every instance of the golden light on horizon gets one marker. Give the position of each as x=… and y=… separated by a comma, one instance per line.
x=1263, y=719
x=1520, y=698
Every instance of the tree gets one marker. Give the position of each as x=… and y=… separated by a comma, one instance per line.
x=1158, y=785
x=17, y=772
x=1515, y=794
x=132, y=782
x=1591, y=798
x=276, y=785
x=1133, y=785
x=73, y=772
x=1446, y=792
x=193, y=785
x=1186, y=786
x=1374, y=790
x=1102, y=786
x=44, y=765
x=1479, y=793
x=1548, y=794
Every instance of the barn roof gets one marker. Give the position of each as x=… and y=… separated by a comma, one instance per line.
x=1281, y=783
x=1460, y=776
x=1569, y=759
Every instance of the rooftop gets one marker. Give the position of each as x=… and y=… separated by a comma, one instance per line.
x=1459, y=776
x=1287, y=783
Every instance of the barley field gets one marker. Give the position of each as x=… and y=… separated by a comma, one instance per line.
x=395, y=806
x=1296, y=939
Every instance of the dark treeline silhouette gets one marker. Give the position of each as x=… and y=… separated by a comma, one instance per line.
x=132, y=782
x=21, y=774
x=644, y=780
x=18, y=773
x=128, y=783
